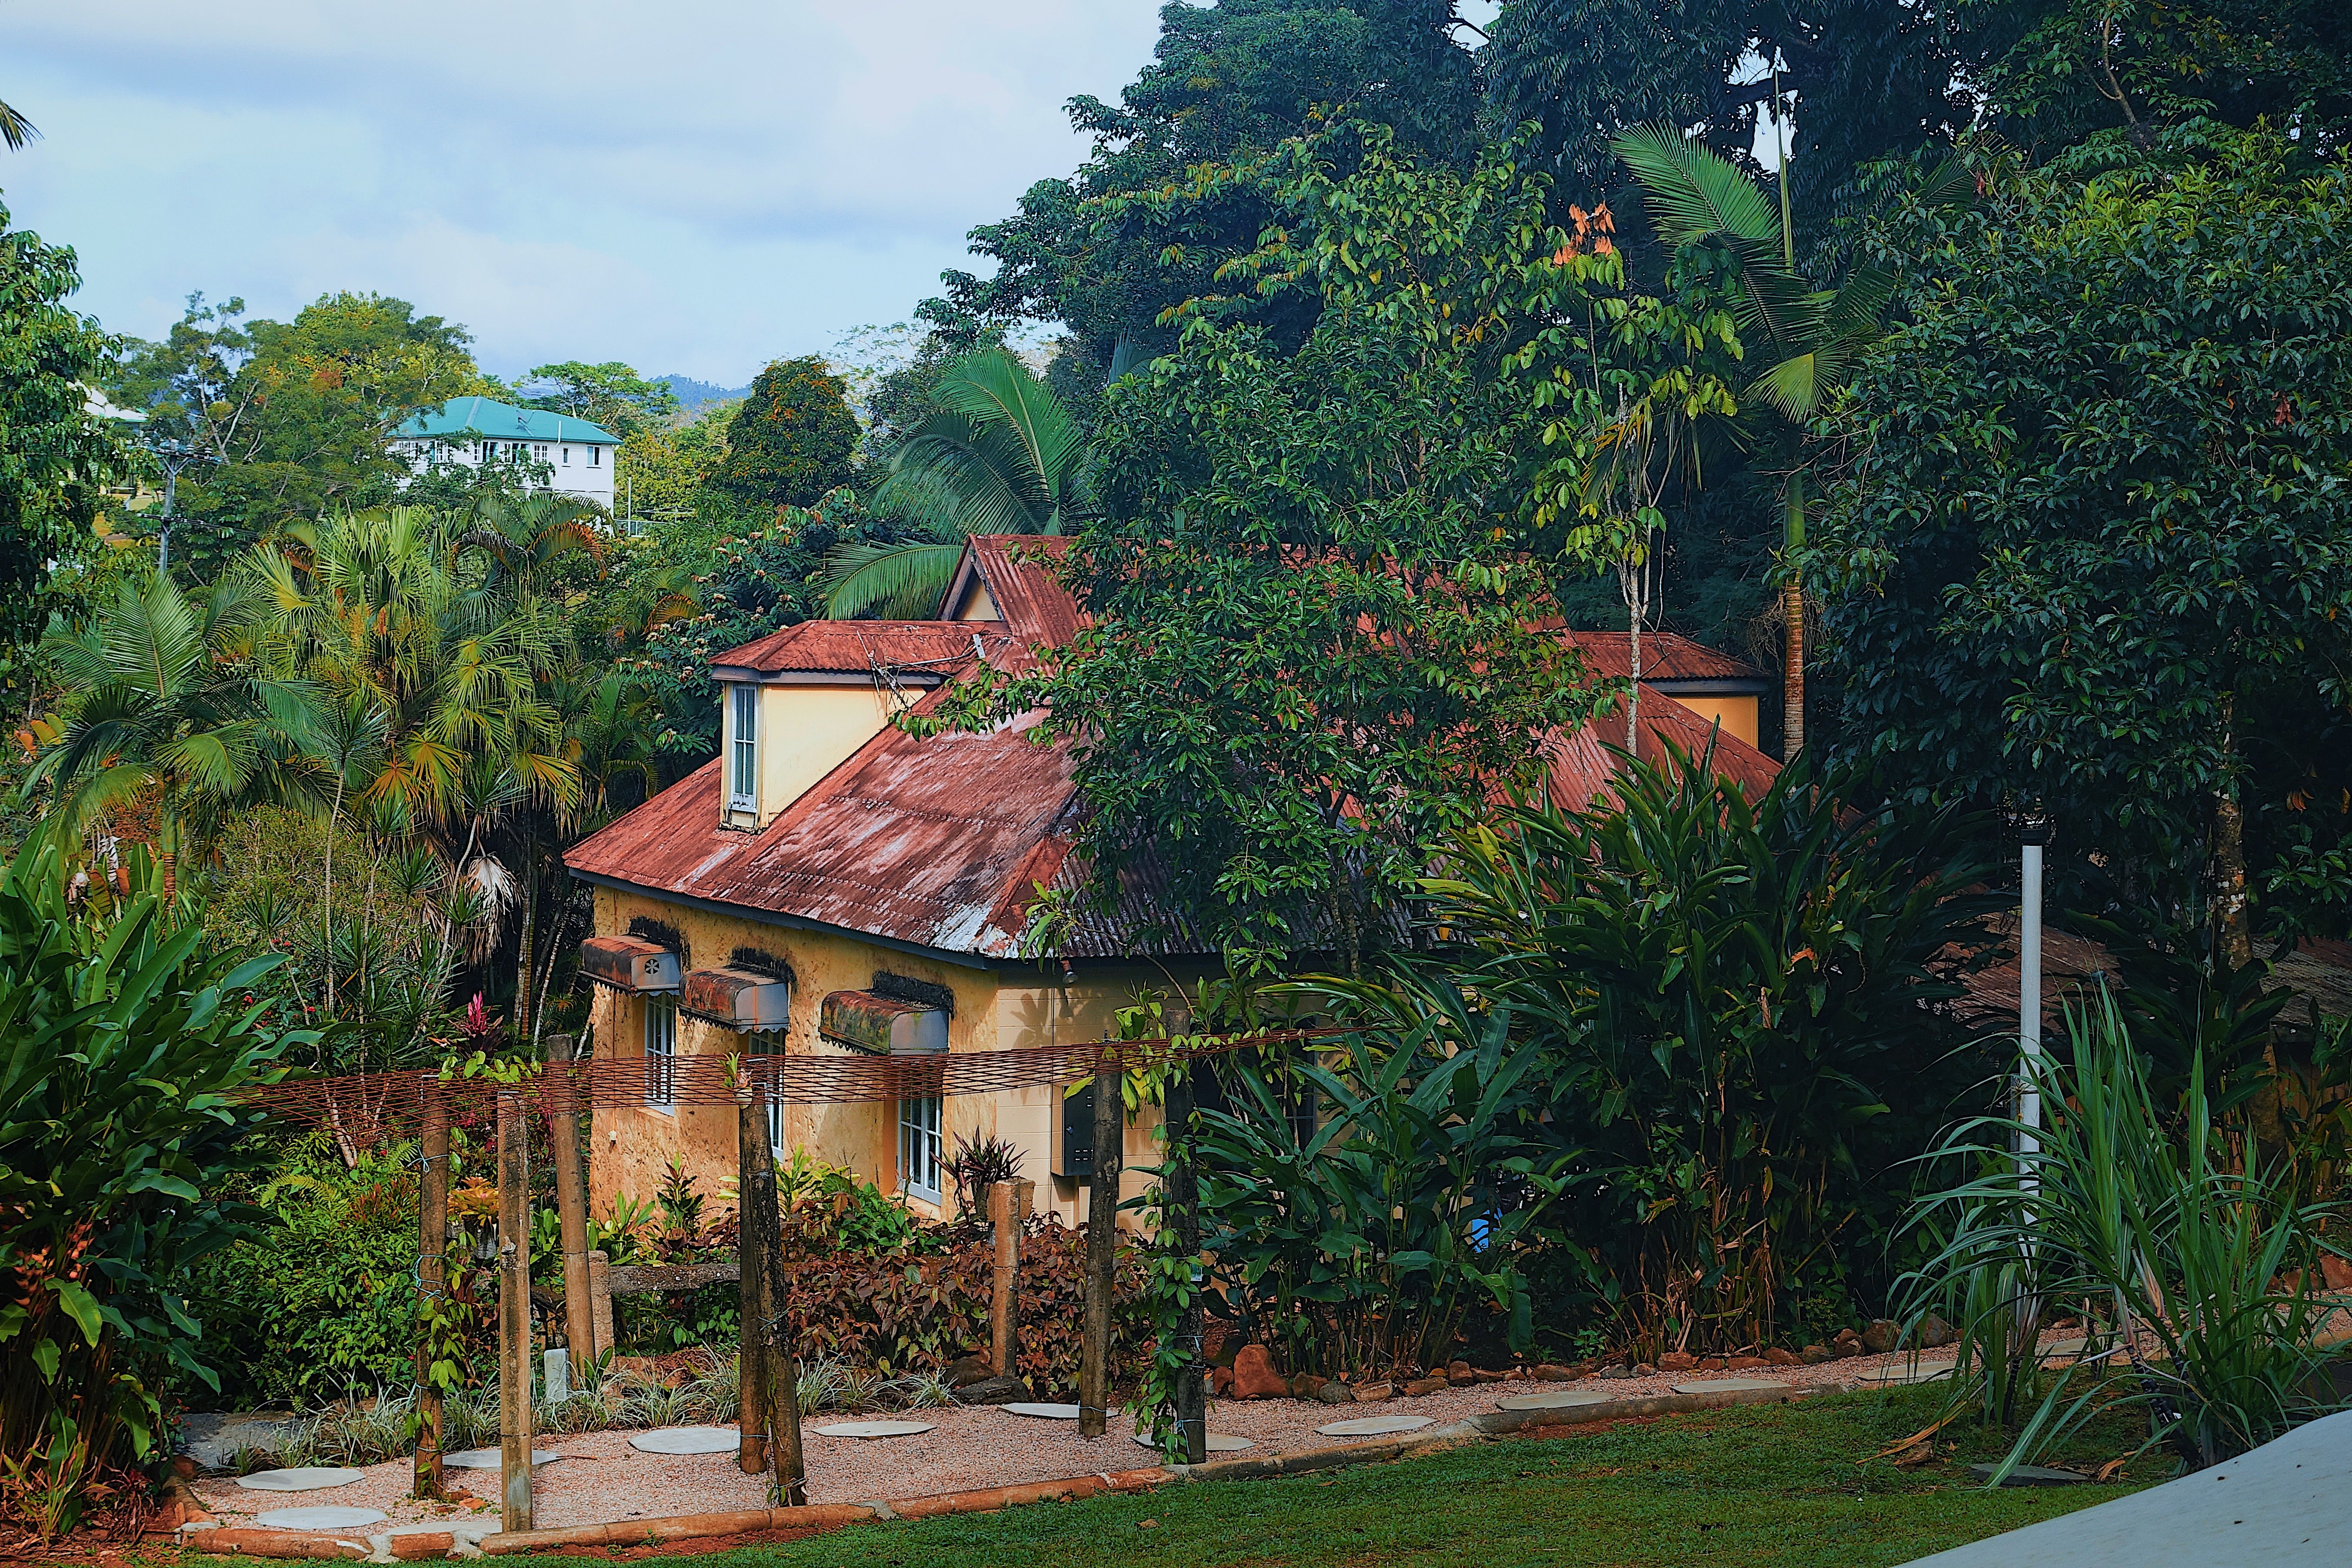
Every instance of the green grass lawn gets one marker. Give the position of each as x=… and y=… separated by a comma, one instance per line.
x=1767, y=1484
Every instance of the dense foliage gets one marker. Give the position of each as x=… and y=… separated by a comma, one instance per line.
x=790, y=440
x=126, y=1040
x=2094, y=555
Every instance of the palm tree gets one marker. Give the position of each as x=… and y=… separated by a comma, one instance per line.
x=16, y=129
x=997, y=453
x=1812, y=338
x=170, y=703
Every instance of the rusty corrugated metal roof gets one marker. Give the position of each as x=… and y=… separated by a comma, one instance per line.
x=851, y=647
x=1035, y=607
x=1583, y=766
x=1667, y=657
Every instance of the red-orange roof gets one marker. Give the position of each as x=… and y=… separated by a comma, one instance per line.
x=851, y=647
x=1667, y=657
x=1583, y=766
x=1036, y=608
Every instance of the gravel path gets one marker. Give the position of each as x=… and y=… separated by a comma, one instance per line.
x=601, y=1478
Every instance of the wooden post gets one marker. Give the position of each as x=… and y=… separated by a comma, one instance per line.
x=514, y=1314
x=1181, y=1187
x=600, y=1299
x=1009, y=1203
x=432, y=1279
x=572, y=1210
x=783, y=1366
x=751, y=1253
x=1102, y=1247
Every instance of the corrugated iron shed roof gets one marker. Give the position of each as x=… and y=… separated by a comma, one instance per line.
x=1667, y=657
x=1035, y=607
x=1583, y=765
x=851, y=647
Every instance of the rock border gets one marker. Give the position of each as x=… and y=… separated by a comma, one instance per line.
x=201, y=1535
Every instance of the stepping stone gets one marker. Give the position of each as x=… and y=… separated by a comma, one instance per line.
x=1728, y=1385
x=491, y=1459
x=1219, y=1442
x=318, y=1518
x=1891, y=1375
x=873, y=1429
x=2028, y=1475
x=1559, y=1399
x=306, y=1478
x=1044, y=1412
x=1374, y=1426
x=687, y=1440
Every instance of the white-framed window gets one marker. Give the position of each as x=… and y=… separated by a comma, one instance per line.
x=567, y=457
x=919, y=1147
x=776, y=1126
x=743, y=790
x=661, y=1052
x=595, y=457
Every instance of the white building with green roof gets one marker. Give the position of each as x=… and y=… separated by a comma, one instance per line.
x=549, y=451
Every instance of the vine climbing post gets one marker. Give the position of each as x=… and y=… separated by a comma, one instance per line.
x=1102, y=1245
x=753, y=1370
x=1181, y=1187
x=432, y=1281
x=571, y=1210
x=514, y=1314
x=783, y=1411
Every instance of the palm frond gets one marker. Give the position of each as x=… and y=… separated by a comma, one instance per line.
x=16, y=129
x=900, y=582
x=1690, y=191
x=957, y=469
x=996, y=389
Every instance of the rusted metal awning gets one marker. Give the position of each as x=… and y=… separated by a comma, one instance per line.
x=629, y=963
x=740, y=999
x=884, y=1026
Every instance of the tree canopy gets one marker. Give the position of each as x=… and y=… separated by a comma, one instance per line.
x=790, y=441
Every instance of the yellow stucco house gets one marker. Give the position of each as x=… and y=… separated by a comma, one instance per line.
x=829, y=884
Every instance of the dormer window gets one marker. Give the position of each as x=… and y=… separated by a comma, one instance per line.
x=743, y=763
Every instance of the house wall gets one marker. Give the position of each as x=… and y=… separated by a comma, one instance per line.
x=995, y=1009
x=575, y=473
x=1736, y=714
x=806, y=730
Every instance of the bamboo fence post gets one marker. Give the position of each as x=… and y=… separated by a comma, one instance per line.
x=1183, y=1190
x=784, y=1367
x=432, y=1278
x=753, y=1371
x=572, y=1210
x=514, y=1314
x=1102, y=1247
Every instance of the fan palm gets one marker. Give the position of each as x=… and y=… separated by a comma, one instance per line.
x=171, y=705
x=996, y=453
x=1811, y=338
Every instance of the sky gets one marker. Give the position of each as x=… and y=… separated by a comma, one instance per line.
x=692, y=189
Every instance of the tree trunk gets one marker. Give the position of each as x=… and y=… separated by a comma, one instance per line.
x=2229, y=850
x=1102, y=1248
x=432, y=1272
x=523, y=977
x=752, y=1370
x=514, y=1314
x=1792, y=668
x=1184, y=1197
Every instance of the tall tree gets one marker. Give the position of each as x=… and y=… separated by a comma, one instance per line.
x=53, y=455
x=791, y=440
x=611, y=395
x=2093, y=557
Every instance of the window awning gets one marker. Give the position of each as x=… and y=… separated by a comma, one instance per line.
x=629, y=963
x=884, y=1026
x=738, y=999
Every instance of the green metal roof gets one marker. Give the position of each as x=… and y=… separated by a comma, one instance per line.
x=504, y=422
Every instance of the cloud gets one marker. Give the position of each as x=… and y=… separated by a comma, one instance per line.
x=716, y=184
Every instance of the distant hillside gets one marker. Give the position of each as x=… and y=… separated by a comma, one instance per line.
x=693, y=395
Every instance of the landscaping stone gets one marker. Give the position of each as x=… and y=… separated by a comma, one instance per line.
x=1043, y=1412
x=1677, y=1360
x=965, y=1370
x=1847, y=1342
x=1421, y=1385
x=212, y=1437
x=2028, y=1475
x=1255, y=1377
x=1927, y=1372
x=1555, y=1399
x=306, y=1479
x=688, y=1440
x=1374, y=1426
x=1881, y=1336
x=491, y=1459
x=1935, y=1333
x=994, y=1391
x=1483, y=1375
x=1551, y=1373
x=1460, y=1375
x=1218, y=1442
x=328, y=1518
x=1617, y=1372
x=1775, y=1356
x=1814, y=1355
x=1335, y=1393
x=1644, y=1369
x=870, y=1430
x=1372, y=1392
x=1306, y=1385
x=1727, y=1384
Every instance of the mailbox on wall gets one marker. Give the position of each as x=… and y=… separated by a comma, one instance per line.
x=1074, y=1134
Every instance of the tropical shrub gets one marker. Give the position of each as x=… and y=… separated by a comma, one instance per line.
x=1358, y=1240
x=122, y=1045
x=1739, y=1006
x=2198, y=1271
